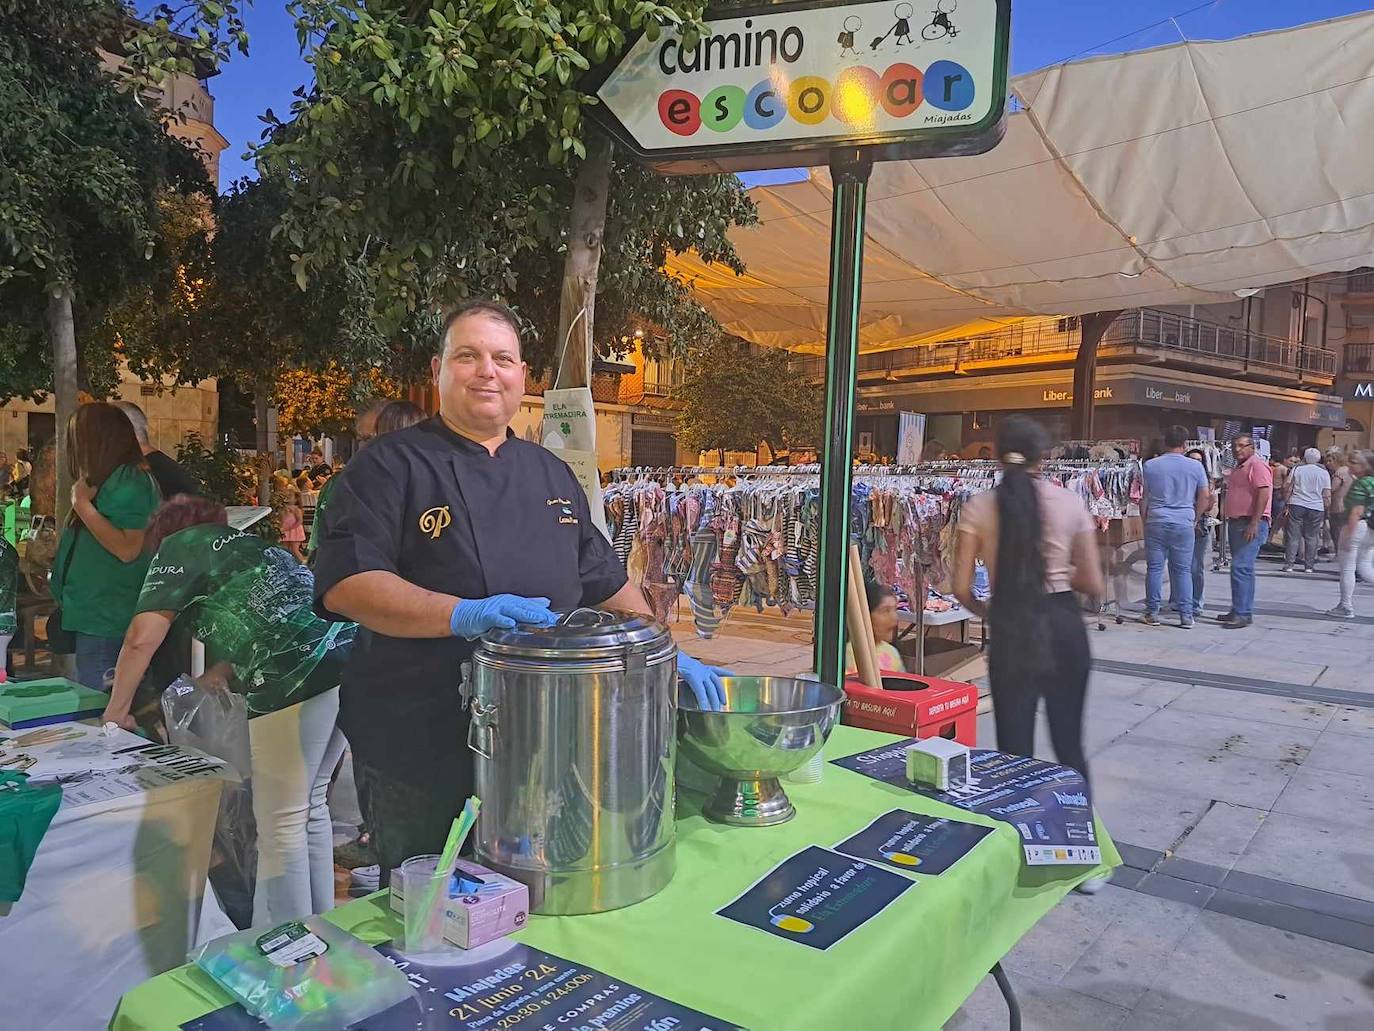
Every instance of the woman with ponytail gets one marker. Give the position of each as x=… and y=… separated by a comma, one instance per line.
x=1039, y=544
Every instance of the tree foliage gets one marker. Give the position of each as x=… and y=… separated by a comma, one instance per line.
x=312, y=403
x=434, y=156
x=735, y=397
x=91, y=182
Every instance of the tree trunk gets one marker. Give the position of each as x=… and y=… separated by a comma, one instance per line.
x=260, y=405
x=62, y=335
x=587, y=228
x=1091, y=329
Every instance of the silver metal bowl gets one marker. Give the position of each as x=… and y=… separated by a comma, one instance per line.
x=769, y=727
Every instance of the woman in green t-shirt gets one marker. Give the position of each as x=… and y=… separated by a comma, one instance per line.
x=100, y=563
x=250, y=603
x=1355, y=547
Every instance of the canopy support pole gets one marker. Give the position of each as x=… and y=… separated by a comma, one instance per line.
x=849, y=171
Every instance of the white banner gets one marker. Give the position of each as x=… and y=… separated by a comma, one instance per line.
x=570, y=433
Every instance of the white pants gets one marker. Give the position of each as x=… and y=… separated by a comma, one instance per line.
x=294, y=753
x=1357, y=554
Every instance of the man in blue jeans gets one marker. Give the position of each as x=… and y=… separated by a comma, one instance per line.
x=1175, y=497
x=1249, y=494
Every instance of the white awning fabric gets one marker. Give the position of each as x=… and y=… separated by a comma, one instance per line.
x=1169, y=176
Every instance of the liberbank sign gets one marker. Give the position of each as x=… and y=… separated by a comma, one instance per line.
x=788, y=84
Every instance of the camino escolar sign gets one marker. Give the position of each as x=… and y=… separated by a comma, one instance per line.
x=786, y=85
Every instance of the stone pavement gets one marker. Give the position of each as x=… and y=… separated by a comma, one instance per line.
x=1236, y=770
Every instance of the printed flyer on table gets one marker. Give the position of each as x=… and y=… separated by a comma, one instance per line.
x=1048, y=804
x=518, y=988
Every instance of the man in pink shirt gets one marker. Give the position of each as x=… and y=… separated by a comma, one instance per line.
x=1249, y=497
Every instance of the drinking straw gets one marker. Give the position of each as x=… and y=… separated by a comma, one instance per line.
x=436, y=895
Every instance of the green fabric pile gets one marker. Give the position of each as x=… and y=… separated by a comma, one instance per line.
x=25, y=813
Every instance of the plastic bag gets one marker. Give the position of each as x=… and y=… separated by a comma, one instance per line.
x=304, y=974
x=216, y=723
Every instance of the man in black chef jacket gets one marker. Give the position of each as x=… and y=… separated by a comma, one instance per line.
x=434, y=535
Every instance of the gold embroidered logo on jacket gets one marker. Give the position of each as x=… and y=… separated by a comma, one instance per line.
x=433, y=521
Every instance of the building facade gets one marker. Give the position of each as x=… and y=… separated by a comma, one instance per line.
x=1277, y=363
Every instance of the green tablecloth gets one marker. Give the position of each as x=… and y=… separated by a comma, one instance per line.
x=911, y=966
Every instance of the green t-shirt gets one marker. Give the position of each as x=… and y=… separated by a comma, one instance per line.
x=318, y=521
x=98, y=592
x=9, y=588
x=250, y=602
x=1361, y=493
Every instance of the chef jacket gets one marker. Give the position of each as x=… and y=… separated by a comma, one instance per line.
x=441, y=512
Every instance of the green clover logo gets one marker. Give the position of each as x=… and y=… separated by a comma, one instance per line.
x=566, y=427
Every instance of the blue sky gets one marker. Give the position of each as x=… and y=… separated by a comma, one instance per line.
x=1043, y=32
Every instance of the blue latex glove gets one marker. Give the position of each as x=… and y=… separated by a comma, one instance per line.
x=704, y=681
x=473, y=618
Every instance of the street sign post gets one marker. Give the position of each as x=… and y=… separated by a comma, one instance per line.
x=843, y=84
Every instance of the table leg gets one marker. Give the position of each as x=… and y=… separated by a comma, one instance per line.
x=921, y=651
x=1013, y=1007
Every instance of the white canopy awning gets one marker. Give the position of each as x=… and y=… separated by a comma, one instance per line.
x=1169, y=176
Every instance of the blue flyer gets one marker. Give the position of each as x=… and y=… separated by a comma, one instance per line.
x=816, y=897
x=1048, y=804
x=914, y=843
x=518, y=989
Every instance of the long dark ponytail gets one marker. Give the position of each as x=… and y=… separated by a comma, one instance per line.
x=1018, y=611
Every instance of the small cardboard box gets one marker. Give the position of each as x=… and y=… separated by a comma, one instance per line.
x=498, y=907
x=938, y=762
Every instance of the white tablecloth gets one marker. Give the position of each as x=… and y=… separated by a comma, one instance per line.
x=113, y=898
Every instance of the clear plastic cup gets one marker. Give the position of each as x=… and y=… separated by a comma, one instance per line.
x=424, y=930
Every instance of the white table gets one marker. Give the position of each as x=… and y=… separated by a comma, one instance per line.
x=958, y=615
x=112, y=899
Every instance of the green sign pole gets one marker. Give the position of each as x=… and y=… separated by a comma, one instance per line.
x=849, y=177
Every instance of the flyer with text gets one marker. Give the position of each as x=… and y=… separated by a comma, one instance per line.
x=914, y=843
x=1048, y=804
x=816, y=897
x=520, y=989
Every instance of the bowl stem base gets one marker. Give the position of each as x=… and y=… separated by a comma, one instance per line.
x=753, y=802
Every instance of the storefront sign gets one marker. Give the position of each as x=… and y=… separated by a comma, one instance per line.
x=816, y=897
x=872, y=407
x=516, y=989
x=1048, y=804
x=786, y=84
x=914, y=843
x=1118, y=387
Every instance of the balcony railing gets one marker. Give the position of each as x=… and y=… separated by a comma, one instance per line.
x=1179, y=333
x=1360, y=283
x=1359, y=358
x=1139, y=330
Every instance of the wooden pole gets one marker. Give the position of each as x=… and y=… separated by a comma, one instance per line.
x=861, y=625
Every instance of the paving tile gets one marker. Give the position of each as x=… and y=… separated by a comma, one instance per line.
x=1345, y=753
x=1044, y=1007
x=1347, y=679
x=1260, y=708
x=1140, y=934
x=1352, y=719
x=1344, y=796
x=1222, y=835
x=1315, y=852
x=1234, y=734
x=1194, y=772
x=1141, y=815
x=1052, y=947
x=1228, y=973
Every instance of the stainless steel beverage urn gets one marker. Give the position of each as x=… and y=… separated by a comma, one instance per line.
x=574, y=734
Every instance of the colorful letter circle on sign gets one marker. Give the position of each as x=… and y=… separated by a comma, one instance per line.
x=901, y=90
x=723, y=108
x=680, y=111
x=763, y=108
x=857, y=95
x=808, y=99
x=949, y=86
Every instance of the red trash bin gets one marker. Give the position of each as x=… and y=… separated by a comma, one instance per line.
x=914, y=707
